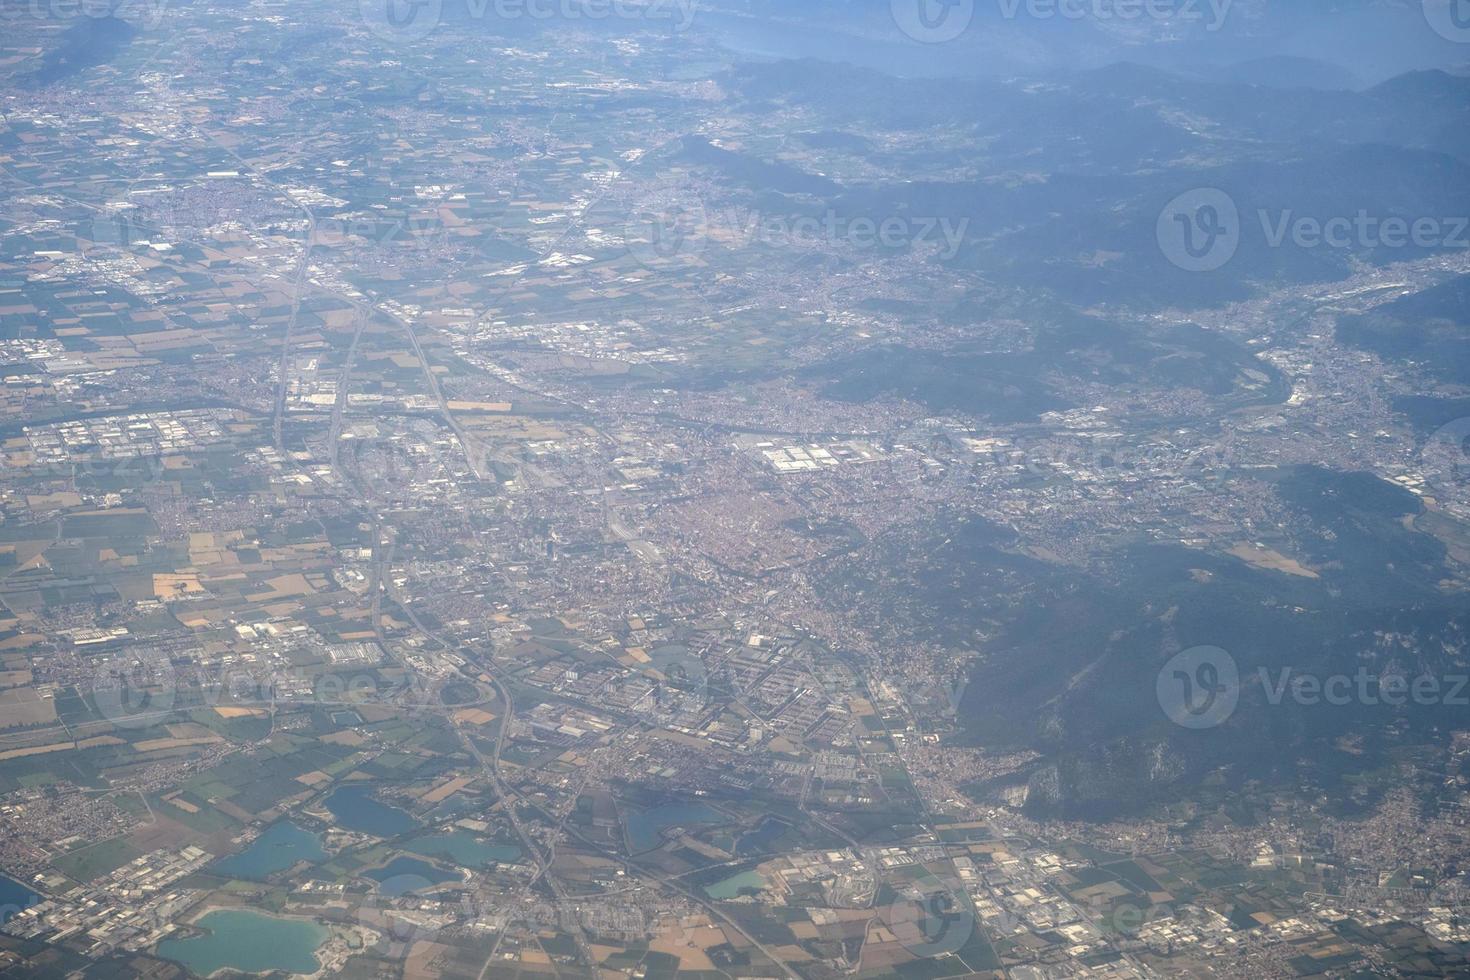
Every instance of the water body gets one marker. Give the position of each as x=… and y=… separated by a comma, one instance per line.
x=464, y=848
x=730, y=887
x=645, y=826
x=250, y=942
x=281, y=846
x=355, y=809
x=759, y=840
x=15, y=898
x=406, y=874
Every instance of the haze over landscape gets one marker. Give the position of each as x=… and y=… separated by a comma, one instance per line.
x=532, y=489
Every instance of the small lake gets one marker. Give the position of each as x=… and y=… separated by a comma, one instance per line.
x=730, y=887
x=646, y=826
x=406, y=874
x=282, y=845
x=15, y=898
x=250, y=942
x=464, y=849
x=356, y=809
x=760, y=840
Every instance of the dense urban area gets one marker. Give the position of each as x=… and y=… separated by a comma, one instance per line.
x=567, y=499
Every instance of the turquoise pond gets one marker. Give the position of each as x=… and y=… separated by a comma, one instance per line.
x=405, y=874
x=356, y=809
x=249, y=942
x=646, y=826
x=464, y=849
x=282, y=845
x=730, y=887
